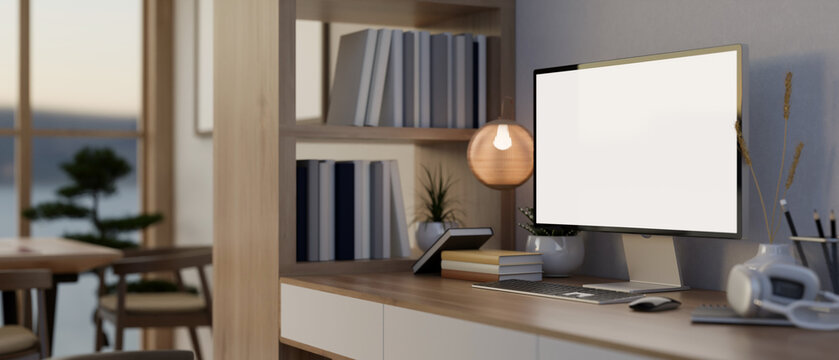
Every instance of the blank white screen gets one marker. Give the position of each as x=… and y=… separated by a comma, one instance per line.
x=648, y=145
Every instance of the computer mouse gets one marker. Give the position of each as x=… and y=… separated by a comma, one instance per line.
x=654, y=303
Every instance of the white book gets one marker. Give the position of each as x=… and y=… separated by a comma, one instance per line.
x=400, y=245
x=410, y=79
x=459, y=81
x=351, y=86
x=450, y=84
x=490, y=268
x=481, y=79
x=392, y=103
x=380, y=209
x=425, y=79
x=377, y=81
x=362, y=209
x=441, y=80
x=326, y=210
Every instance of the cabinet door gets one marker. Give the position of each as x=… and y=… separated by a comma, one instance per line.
x=412, y=334
x=335, y=323
x=550, y=348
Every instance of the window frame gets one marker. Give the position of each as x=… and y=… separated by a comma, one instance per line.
x=23, y=133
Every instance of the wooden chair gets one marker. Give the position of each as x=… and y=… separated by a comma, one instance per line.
x=20, y=342
x=142, y=310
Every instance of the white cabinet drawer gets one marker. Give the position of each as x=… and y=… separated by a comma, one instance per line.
x=339, y=324
x=550, y=349
x=412, y=334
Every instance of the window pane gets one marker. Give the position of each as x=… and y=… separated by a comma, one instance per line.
x=8, y=197
x=8, y=61
x=47, y=156
x=86, y=63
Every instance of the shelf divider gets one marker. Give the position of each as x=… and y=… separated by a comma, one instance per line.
x=326, y=132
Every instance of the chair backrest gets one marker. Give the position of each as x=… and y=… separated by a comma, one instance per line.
x=171, y=261
x=25, y=279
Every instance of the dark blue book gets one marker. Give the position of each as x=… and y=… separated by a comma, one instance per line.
x=475, y=124
x=302, y=212
x=344, y=210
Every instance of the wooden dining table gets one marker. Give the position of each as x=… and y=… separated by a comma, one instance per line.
x=65, y=258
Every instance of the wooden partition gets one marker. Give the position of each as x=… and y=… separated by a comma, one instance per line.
x=255, y=139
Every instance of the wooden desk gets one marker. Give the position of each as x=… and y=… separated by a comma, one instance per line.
x=65, y=258
x=594, y=330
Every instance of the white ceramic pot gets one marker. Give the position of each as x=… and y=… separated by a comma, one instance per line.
x=561, y=255
x=771, y=253
x=429, y=232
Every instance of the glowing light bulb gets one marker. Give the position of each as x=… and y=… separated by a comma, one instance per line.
x=502, y=140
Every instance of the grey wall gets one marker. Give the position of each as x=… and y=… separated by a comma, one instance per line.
x=781, y=36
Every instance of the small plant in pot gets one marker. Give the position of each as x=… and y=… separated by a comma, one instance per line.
x=562, y=249
x=437, y=211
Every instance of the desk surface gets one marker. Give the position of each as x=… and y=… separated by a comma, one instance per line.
x=667, y=334
x=61, y=256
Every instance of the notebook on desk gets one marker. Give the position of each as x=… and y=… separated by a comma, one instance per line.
x=722, y=314
x=452, y=239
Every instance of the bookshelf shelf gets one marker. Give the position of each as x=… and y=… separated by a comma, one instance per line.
x=404, y=13
x=391, y=134
x=346, y=267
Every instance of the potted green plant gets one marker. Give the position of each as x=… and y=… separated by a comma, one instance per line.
x=437, y=211
x=562, y=249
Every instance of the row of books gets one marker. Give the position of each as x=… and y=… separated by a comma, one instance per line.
x=349, y=210
x=387, y=77
x=491, y=265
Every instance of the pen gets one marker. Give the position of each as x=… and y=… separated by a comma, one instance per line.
x=833, y=235
x=830, y=264
x=818, y=221
x=792, y=232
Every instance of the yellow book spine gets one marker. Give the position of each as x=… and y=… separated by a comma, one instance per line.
x=472, y=257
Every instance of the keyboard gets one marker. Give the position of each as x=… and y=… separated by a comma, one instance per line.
x=559, y=291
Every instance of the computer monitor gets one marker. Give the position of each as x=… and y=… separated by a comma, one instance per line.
x=642, y=146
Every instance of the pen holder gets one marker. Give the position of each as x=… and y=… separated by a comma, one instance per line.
x=828, y=246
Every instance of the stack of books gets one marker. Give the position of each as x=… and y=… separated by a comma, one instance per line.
x=350, y=210
x=491, y=265
x=387, y=77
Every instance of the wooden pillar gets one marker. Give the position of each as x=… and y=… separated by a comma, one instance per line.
x=253, y=46
x=157, y=126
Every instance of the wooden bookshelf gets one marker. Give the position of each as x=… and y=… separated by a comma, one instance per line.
x=346, y=267
x=395, y=13
x=256, y=136
x=389, y=134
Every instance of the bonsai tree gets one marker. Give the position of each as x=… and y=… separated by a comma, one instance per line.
x=93, y=173
x=532, y=228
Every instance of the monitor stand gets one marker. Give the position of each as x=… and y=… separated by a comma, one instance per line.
x=652, y=265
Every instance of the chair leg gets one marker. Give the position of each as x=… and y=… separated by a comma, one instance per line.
x=118, y=335
x=195, y=345
x=99, y=334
